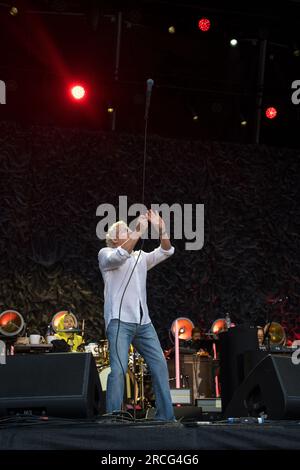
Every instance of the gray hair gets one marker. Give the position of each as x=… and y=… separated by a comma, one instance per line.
x=112, y=232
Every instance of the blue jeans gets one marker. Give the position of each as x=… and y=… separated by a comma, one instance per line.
x=144, y=339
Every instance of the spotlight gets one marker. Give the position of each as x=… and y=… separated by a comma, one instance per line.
x=172, y=29
x=11, y=323
x=244, y=123
x=204, y=24
x=195, y=117
x=296, y=52
x=233, y=42
x=110, y=109
x=78, y=92
x=185, y=326
x=271, y=112
x=13, y=11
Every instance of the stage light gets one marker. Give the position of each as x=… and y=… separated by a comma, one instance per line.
x=110, y=109
x=244, y=123
x=185, y=327
x=78, y=92
x=204, y=24
x=172, y=29
x=58, y=316
x=296, y=52
x=233, y=42
x=271, y=112
x=13, y=11
x=11, y=323
x=195, y=117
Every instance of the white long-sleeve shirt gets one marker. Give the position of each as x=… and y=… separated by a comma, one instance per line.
x=116, y=266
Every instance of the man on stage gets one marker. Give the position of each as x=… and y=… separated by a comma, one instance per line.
x=126, y=313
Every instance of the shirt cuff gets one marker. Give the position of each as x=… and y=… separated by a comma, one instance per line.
x=123, y=253
x=167, y=252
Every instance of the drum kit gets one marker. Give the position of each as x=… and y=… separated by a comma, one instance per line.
x=137, y=375
x=139, y=389
x=100, y=352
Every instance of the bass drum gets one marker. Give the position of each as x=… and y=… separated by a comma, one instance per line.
x=103, y=376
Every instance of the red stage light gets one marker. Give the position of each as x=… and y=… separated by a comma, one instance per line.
x=271, y=112
x=78, y=92
x=204, y=24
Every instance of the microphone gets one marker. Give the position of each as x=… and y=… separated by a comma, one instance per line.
x=150, y=83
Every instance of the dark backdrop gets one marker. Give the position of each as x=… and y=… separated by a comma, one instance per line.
x=52, y=181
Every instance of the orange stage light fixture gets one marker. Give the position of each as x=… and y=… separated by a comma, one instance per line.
x=185, y=326
x=57, y=317
x=11, y=323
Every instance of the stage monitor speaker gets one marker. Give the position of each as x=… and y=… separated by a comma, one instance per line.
x=233, y=344
x=61, y=385
x=181, y=396
x=272, y=388
x=188, y=413
x=182, y=413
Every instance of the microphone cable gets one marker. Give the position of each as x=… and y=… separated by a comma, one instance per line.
x=148, y=96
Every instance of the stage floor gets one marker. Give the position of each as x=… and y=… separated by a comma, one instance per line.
x=103, y=434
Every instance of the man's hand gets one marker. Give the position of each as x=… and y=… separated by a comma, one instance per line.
x=157, y=221
x=142, y=224
x=160, y=226
x=133, y=237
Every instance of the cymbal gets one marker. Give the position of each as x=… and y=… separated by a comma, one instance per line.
x=70, y=330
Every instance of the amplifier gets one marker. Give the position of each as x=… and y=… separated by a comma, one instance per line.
x=181, y=396
x=210, y=404
x=196, y=374
x=278, y=349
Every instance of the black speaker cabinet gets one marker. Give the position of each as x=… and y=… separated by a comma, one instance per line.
x=272, y=387
x=182, y=413
x=233, y=345
x=62, y=385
